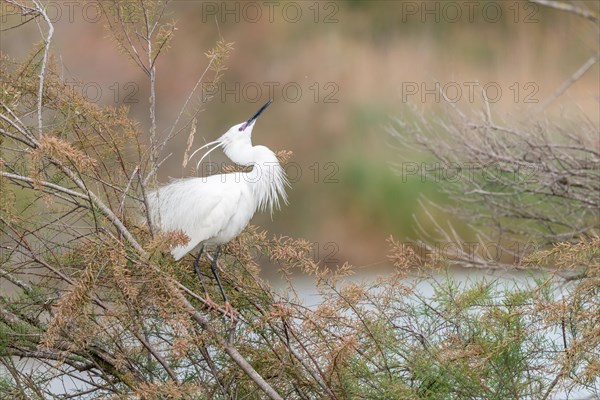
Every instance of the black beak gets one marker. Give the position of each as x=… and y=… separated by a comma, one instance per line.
x=255, y=116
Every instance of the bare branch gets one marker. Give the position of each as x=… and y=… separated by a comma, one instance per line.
x=47, y=41
x=568, y=7
x=44, y=183
x=570, y=81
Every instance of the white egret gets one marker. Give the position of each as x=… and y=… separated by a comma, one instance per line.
x=214, y=210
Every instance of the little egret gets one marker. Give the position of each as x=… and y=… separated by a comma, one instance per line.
x=213, y=210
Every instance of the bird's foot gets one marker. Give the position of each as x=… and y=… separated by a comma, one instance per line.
x=230, y=312
x=227, y=310
x=210, y=303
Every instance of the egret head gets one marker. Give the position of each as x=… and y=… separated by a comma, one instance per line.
x=237, y=141
x=269, y=180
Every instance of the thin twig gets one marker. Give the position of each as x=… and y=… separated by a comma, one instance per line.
x=133, y=175
x=568, y=7
x=570, y=81
x=146, y=204
x=155, y=168
x=42, y=76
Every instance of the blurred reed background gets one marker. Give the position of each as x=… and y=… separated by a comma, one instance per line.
x=352, y=62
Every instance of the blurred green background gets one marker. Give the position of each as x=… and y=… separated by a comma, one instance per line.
x=352, y=62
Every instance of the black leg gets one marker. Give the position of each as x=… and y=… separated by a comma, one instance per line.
x=213, y=267
x=197, y=269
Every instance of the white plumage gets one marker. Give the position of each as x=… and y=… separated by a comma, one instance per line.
x=215, y=209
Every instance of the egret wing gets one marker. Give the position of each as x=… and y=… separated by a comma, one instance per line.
x=200, y=207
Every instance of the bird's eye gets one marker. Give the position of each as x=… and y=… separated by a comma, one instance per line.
x=241, y=128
